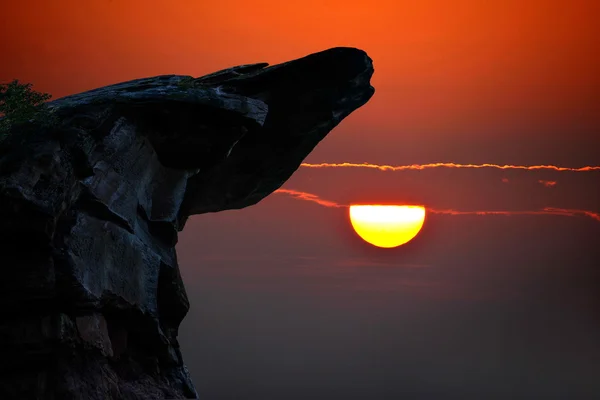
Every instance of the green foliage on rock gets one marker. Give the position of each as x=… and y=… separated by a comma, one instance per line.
x=20, y=104
x=186, y=82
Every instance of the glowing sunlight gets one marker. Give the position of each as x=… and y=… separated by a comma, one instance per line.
x=387, y=225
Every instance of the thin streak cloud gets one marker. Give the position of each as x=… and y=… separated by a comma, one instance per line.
x=310, y=197
x=567, y=212
x=419, y=167
x=547, y=183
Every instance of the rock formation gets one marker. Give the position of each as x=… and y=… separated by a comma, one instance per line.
x=90, y=207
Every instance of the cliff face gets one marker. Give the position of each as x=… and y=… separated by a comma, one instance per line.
x=90, y=208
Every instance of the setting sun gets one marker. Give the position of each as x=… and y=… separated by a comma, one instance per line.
x=385, y=225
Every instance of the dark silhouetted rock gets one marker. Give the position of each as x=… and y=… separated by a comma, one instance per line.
x=90, y=207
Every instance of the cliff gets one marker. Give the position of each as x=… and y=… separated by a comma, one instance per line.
x=90, y=209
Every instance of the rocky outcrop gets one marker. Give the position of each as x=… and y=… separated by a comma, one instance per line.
x=90, y=208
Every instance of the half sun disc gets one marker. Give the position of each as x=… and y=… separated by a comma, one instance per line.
x=385, y=225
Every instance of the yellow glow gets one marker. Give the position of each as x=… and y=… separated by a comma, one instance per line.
x=387, y=226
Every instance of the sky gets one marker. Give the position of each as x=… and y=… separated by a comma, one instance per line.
x=286, y=301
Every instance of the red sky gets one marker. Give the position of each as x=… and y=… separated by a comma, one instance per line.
x=503, y=82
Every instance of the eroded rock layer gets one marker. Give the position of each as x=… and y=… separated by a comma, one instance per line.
x=90, y=208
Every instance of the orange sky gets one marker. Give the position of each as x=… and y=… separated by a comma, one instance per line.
x=443, y=68
x=507, y=82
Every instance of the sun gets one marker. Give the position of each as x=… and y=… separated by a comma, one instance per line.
x=385, y=225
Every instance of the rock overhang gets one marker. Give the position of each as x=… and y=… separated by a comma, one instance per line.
x=242, y=131
x=306, y=98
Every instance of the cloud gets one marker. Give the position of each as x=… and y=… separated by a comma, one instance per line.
x=310, y=197
x=547, y=183
x=567, y=212
x=418, y=167
x=573, y=212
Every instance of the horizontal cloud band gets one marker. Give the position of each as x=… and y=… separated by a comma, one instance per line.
x=418, y=167
x=568, y=212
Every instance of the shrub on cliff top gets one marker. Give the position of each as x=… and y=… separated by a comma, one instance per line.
x=20, y=104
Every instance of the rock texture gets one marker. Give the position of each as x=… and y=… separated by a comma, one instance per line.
x=90, y=207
